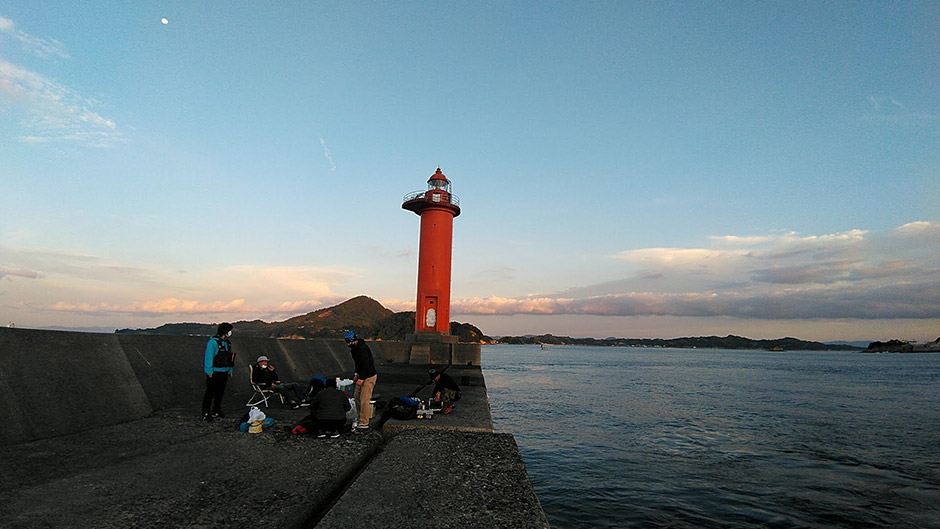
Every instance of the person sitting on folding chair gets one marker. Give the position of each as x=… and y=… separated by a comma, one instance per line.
x=265, y=376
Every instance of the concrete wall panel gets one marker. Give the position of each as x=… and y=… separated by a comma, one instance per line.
x=62, y=382
x=169, y=368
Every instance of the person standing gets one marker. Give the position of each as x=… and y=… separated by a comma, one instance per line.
x=364, y=378
x=218, y=365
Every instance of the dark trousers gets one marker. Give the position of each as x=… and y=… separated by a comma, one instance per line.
x=330, y=426
x=215, y=387
x=287, y=388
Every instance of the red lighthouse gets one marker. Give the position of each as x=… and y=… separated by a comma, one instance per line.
x=437, y=207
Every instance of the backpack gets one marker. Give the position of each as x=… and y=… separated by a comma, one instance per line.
x=223, y=358
x=403, y=408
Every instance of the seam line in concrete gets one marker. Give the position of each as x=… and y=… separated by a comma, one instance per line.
x=342, y=484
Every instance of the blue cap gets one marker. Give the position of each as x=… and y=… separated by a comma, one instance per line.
x=349, y=336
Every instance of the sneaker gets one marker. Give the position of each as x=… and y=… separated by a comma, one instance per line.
x=361, y=427
x=304, y=403
x=294, y=406
x=334, y=435
x=206, y=417
x=321, y=435
x=218, y=414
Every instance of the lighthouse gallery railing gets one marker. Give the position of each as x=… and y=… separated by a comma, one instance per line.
x=422, y=195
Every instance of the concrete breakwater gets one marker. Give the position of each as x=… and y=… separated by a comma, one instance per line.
x=104, y=431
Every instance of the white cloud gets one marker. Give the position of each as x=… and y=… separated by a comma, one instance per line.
x=45, y=48
x=234, y=308
x=920, y=228
x=852, y=274
x=52, y=112
x=28, y=274
x=329, y=157
x=89, y=285
x=889, y=109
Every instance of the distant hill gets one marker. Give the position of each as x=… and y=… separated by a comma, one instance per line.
x=857, y=343
x=360, y=314
x=701, y=342
x=903, y=346
x=363, y=315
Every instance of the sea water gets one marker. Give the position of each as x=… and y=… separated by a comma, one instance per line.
x=698, y=438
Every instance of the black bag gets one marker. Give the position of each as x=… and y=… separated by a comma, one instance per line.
x=224, y=358
x=403, y=408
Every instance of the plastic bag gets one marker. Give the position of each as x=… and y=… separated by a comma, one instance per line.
x=255, y=415
x=352, y=413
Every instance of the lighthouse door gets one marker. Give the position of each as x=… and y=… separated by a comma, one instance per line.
x=430, y=316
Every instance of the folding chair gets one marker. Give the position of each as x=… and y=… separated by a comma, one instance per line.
x=260, y=395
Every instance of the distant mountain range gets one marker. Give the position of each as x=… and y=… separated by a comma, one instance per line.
x=701, y=342
x=363, y=315
x=368, y=318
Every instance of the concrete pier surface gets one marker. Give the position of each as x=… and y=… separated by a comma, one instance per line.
x=104, y=431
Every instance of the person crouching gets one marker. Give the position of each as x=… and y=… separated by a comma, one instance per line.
x=445, y=391
x=329, y=407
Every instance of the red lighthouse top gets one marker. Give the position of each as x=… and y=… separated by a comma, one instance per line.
x=438, y=180
x=438, y=195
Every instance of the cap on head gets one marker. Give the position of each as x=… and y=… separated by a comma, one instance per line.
x=262, y=359
x=224, y=328
x=349, y=336
x=432, y=373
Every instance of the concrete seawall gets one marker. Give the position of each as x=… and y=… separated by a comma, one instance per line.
x=104, y=431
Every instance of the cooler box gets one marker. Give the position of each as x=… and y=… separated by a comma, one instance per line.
x=348, y=386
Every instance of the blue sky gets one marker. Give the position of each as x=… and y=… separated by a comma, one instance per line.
x=653, y=169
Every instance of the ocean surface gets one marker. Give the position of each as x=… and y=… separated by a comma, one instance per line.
x=636, y=437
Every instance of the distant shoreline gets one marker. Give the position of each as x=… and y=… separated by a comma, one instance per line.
x=698, y=342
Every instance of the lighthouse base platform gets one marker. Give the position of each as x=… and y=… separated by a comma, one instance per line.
x=430, y=337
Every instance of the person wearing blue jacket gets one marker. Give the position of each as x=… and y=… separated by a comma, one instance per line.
x=218, y=365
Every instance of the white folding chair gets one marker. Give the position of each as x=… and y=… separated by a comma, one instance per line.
x=259, y=395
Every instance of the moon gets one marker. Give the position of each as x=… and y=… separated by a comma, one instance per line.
x=164, y=21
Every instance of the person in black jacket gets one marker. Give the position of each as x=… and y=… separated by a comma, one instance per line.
x=445, y=391
x=329, y=408
x=265, y=376
x=364, y=377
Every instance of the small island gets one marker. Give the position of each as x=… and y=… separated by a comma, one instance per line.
x=903, y=346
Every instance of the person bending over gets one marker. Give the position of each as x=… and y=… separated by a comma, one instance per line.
x=445, y=391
